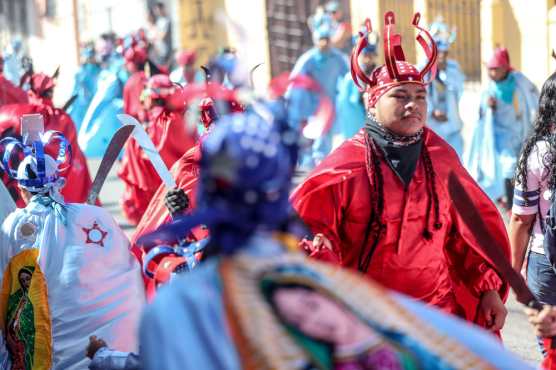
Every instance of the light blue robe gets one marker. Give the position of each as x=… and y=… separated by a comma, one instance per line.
x=100, y=122
x=178, y=77
x=12, y=68
x=350, y=111
x=85, y=87
x=445, y=96
x=499, y=134
x=328, y=69
x=185, y=327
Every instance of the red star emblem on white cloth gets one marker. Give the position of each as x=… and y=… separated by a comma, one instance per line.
x=95, y=235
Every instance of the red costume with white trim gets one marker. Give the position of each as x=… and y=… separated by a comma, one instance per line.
x=78, y=179
x=172, y=138
x=409, y=238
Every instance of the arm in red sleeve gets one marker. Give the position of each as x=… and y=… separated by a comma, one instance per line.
x=319, y=209
x=470, y=268
x=473, y=267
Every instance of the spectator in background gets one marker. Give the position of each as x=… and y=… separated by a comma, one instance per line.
x=508, y=107
x=445, y=91
x=13, y=57
x=341, y=36
x=535, y=182
x=162, y=42
x=9, y=93
x=186, y=73
x=350, y=107
x=84, y=85
x=326, y=65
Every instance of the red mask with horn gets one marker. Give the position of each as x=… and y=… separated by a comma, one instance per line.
x=41, y=88
x=396, y=71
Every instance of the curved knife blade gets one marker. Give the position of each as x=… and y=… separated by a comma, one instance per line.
x=148, y=147
x=112, y=152
x=472, y=218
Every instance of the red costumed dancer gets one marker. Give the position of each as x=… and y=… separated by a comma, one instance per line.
x=78, y=180
x=380, y=203
x=9, y=93
x=135, y=59
x=172, y=138
x=186, y=172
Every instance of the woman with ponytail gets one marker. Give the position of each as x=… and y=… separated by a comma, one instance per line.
x=535, y=182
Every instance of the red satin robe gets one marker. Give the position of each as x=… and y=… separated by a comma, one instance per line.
x=172, y=139
x=11, y=94
x=186, y=173
x=78, y=180
x=133, y=89
x=448, y=271
x=549, y=362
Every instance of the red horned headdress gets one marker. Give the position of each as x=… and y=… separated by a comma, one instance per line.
x=396, y=70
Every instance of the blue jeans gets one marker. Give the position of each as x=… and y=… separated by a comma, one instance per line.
x=541, y=279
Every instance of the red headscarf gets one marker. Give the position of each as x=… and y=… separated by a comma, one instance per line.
x=160, y=87
x=499, y=59
x=40, y=83
x=136, y=55
x=396, y=71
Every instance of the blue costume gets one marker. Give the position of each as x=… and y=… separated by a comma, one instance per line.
x=445, y=91
x=84, y=87
x=13, y=69
x=225, y=314
x=100, y=122
x=350, y=110
x=327, y=68
x=444, y=94
x=499, y=133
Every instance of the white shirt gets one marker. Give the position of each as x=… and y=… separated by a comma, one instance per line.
x=535, y=196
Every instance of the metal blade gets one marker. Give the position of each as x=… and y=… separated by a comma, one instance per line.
x=472, y=218
x=112, y=152
x=148, y=147
x=68, y=104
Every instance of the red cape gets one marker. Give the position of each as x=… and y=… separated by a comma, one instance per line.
x=172, y=139
x=11, y=94
x=449, y=271
x=78, y=180
x=133, y=89
x=186, y=173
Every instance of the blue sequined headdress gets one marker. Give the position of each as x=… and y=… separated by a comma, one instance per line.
x=38, y=161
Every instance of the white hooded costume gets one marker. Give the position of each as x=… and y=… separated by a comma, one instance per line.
x=67, y=273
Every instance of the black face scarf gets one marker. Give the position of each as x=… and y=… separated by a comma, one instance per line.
x=401, y=152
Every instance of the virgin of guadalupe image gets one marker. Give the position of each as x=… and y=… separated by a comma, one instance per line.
x=335, y=336
x=20, y=333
